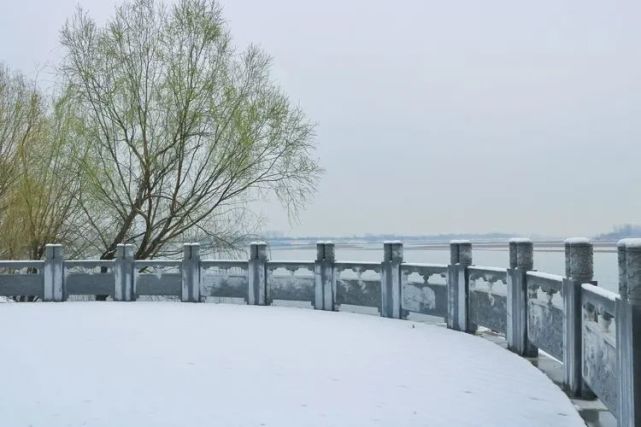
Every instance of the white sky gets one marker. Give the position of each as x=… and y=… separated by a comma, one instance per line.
x=437, y=116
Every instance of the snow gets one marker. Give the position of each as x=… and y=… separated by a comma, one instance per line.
x=424, y=265
x=459, y=242
x=577, y=241
x=630, y=243
x=488, y=269
x=180, y=364
x=547, y=276
x=520, y=240
x=603, y=293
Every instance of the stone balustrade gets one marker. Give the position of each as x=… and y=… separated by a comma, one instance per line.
x=595, y=334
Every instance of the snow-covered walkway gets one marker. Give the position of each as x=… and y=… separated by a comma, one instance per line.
x=195, y=365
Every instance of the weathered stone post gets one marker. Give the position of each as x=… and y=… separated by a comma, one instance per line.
x=54, y=279
x=458, y=284
x=521, y=260
x=578, y=270
x=191, y=273
x=391, y=279
x=257, y=292
x=628, y=328
x=124, y=273
x=324, y=277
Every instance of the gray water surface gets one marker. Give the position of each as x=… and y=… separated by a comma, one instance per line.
x=605, y=263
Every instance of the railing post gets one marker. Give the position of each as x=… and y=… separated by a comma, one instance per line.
x=628, y=328
x=578, y=270
x=257, y=292
x=324, y=277
x=191, y=273
x=54, y=279
x=124, y=273
x=458, y=284
x=391, y=279
x=521, y=261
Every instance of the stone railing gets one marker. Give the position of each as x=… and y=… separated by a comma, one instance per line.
x=593, y=333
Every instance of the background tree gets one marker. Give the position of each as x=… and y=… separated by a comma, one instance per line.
x=39, y=172
x=39, y=180
x=182, y=130
x=44, y=198
x=20, y=112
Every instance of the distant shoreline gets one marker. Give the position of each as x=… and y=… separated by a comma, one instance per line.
x=606, y=247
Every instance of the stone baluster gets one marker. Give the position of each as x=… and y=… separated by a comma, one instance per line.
x=54, y=279
x=391, y=279
x=628, y=329
x=521, y=261
x=257, y=292
x=578, y=270
x=325, y=277
x=458, y=285
x=124, y=273
x=191, y=273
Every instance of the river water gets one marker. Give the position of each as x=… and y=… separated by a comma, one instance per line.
x=549, y=261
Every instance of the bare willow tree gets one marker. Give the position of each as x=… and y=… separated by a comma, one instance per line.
x=183, y=130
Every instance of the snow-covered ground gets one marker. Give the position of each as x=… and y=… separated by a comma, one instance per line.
x=193, y=365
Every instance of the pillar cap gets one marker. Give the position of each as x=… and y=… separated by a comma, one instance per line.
x=631, y=243
x=459, y=242
x=258, y=242
x=392, y=242
x=578, y=241
x=520, y=240
x=621, y=243
x=124, y=250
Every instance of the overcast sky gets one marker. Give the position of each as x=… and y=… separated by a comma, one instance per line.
x=436, y=116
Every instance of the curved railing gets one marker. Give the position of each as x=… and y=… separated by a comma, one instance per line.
x=594, y=334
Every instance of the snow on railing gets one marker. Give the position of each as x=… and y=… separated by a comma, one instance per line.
x=290, y=281
x=488, y=298
x=592, y=332
x=545, y=312
x=88, y=277
x=157, y=278
x=599, y=343
x=22, y=278
x=358, y=284
x=21, y=264
x=423, y=289
x=224, y=279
